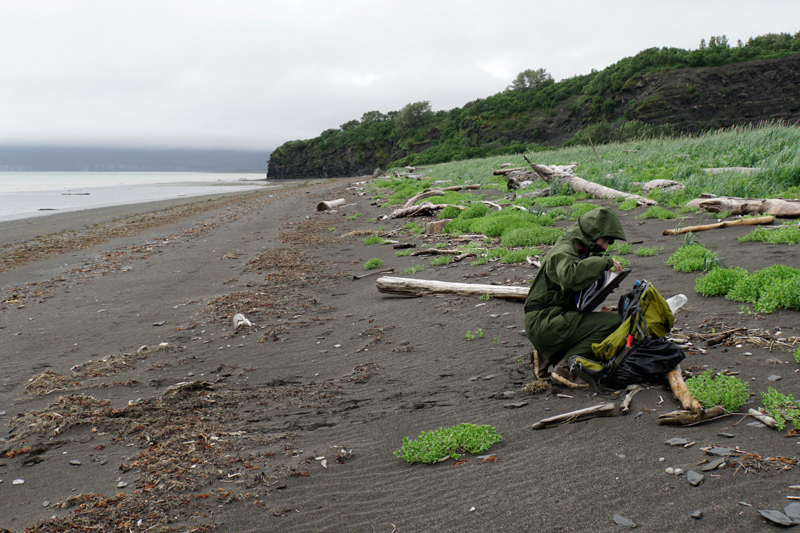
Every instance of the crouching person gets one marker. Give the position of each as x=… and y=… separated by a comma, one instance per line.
x=553, y=323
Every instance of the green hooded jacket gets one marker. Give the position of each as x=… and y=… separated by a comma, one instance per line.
x=570, y=266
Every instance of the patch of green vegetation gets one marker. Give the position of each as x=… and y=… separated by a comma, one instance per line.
x=441, y=260
x=620, y=247
x=721, y=215
x=555, y=201
x=374, y=239
x=518, y=256
x=658, y=212
x=796, y=354
x=403, y=253
x=478, y=261
x=781, y=407
x=628, y=204
x=530, y=236
x=580, y=209
x=373, y=263
x=450, y=211
x=435, y=445
x=648, y=252
x=727, y=391
x=558, y=213
x=414, y=268
x=487, y=297
x=692, y=257
x=622, y=261
x=774, y=287
x=354, y=216
x=781, y=235
x=414, y=228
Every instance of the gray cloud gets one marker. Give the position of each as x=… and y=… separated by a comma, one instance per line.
x=253, y=74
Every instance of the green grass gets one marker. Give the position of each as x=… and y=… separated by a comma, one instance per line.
x=374, y=239
x=782, y=408
x=658, y=212
x=620, y=247
x=554, y=201
x=403, y=253
x=441, y=260
x=774, y=287
x=435, y=445
x=414, y=268
x=693, y=257
x=580, y=209
x=628, y=205
x=648, y=251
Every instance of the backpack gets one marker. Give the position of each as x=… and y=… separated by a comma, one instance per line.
x=636, y=351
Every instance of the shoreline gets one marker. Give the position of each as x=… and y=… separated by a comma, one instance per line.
x=128, y=395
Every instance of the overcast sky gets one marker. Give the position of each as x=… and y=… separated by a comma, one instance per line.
x=253, y=74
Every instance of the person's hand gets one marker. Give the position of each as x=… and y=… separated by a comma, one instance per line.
x=617, y=267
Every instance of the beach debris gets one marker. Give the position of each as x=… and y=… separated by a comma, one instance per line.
x=626, y=402
x=240, y=321
x=762, y=418
x=793, y=511
x=160, y=323
x=622, y=521
x=606, y=409
x=692, y=412
x=776, y=517
x=694, y=478
x=122, y=484
x=515, y=405
x=724, y=224
x=538, y=386
x=670, y=470
x=697, y=515
x=713, y=464
x=773, y=377
x=677, y=441
x=420, y=287
x=373, y=272
x=777, y=207
x=327, y=205
x=75, y=462
x=664, y=185
x=19, y=481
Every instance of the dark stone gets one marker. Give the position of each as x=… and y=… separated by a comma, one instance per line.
x=712, y=464
x=515, y=405
x=694, y=478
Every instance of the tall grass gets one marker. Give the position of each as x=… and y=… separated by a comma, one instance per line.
x=771, y=147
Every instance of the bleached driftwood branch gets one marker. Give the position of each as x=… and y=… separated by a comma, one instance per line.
x=742, y=206
x=724, y=224
x=423, y=287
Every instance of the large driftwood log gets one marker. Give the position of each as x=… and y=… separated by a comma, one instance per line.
x=424, y=287
x=741, y=206
x=605, y=409
x=521, y=178
x=681, y=392
x=724, y=224
x=424, y=194
x=424, y=209
x=504, y=171
x=551, y=173
x=732, y=170
x=664, y=185
x=330, y=204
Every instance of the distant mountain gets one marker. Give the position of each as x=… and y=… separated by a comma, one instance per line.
x=83, y=159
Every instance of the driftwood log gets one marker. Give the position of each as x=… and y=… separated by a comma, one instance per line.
x=423, y=287
x=777, y=207
x=330, y=204
x=724, y=224
x=504, y=171
x=605, y=409
x=664, y=185
x=577, y=184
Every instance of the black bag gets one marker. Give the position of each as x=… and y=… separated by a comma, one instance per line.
x=648, y=360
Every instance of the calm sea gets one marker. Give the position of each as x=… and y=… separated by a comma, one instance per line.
x=31, y=194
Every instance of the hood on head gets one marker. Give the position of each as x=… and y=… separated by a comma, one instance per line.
x=600, y=222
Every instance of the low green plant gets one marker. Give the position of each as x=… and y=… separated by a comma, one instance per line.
x=580, y=209
x=722, y=214
x=621, y=247
x=435, y=445
x=554, y=201
x=728, y=391
x=628, y=205
x=648, y=252
x=480, y=333
x=518, y=256
x=374, y=239
x=720, y=281
x=373, y=263
x=782, y=407
x=622, y=261
x=485, y=297
x=414, y=268
x=470, y=336
x=781, y=235
x=692, y=257
x=478, y=261
x=403, y=253
x=354, y=216
x=796, y=354
x=450, y=211
x=658, y=212
x=441, y=260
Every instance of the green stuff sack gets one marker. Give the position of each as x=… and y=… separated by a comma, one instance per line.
x=645, y=313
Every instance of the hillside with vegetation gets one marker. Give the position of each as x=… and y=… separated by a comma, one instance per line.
x=656, y=93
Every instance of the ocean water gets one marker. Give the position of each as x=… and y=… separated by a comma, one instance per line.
x=33, y=194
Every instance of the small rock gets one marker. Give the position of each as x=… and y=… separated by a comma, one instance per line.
x=160, y=323
x=515, y=405
x=621, y=455
x=679, y=471
x=773, y=377
x=676, y=441
x=495, y=315
x=2, y=413
x=694, y=478
x=756, y=424
x=622, y=521
x=490, y=376
x=18, y=482
x=713, y=464
x=475, y=378
x=793, y=511
x=46, y=503
x=777, y=517
x=75, y=462
x=661, y=459
x=745, y=504
x=720, y=451
x=726, y=435
x=122, y=484
x=670, y=470
x=697, y=515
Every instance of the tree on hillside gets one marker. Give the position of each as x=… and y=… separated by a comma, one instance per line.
x=412, y=116
x=531, y=79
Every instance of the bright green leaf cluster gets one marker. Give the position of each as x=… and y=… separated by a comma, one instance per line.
x=777, y=286
x=728, y=391
x=434, y=445
x=782, y=235
x=441, y=260
x=691, y=257
x=782, y=407
x=580, y=209
x=647, y=252
x=373, y=263
x=658, y=212
x=374, y=239
x=620, y=247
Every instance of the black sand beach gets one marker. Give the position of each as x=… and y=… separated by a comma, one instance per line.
x=129, y=403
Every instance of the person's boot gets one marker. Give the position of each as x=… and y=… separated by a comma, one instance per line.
x=540, y=365
x=562, y=375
